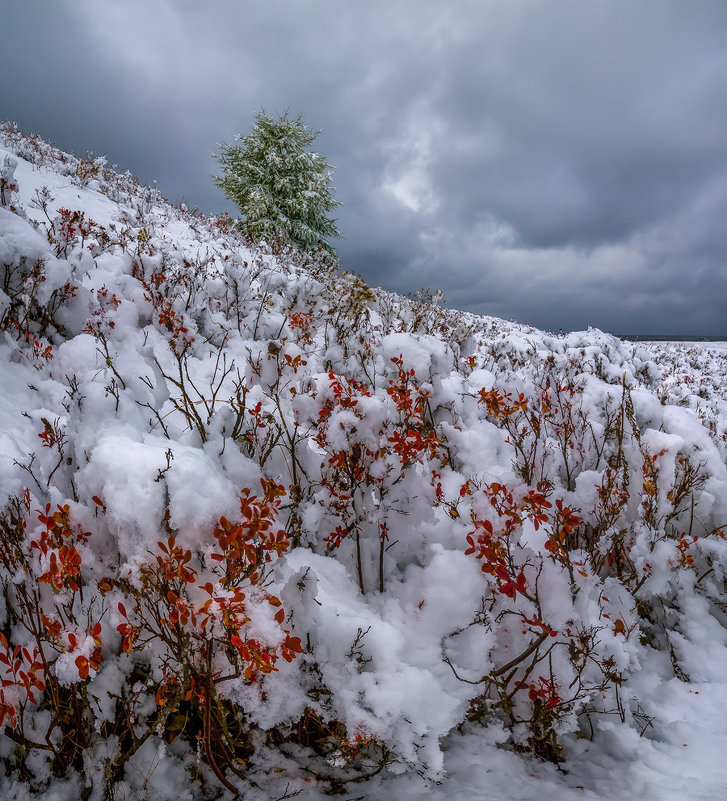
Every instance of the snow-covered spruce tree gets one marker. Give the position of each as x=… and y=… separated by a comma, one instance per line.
x=282, y=189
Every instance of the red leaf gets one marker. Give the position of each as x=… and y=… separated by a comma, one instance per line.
x=82, y=665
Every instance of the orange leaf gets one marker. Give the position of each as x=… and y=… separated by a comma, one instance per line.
x=82, y=665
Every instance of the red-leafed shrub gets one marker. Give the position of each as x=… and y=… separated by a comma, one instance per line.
x=203, y=633
x=190, y=624
x=359, y=473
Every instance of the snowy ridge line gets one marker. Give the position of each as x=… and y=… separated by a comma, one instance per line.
x=270, y=531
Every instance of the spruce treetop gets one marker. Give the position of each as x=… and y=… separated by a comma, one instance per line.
x=283, y=190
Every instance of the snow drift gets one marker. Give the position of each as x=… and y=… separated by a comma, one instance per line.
x=270, y=531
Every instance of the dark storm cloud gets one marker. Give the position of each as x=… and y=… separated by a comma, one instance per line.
x=598, y=124
x=562, y=163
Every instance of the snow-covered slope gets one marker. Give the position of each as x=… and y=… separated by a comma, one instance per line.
x=270, y=531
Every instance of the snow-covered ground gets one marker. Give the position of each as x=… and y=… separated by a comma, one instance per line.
x=270, y=531
x=709, y=345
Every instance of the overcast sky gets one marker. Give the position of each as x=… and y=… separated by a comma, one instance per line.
x=557, y=162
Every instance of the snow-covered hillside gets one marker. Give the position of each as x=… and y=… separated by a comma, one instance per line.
x=269, y=531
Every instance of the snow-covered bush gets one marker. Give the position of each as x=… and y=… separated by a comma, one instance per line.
x=264, y=524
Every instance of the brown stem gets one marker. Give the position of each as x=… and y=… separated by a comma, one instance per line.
x=207, y=737
x=524, y=655
x=11, y=734
x=359, y=566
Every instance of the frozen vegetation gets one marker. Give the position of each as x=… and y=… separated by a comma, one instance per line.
x=267, y=530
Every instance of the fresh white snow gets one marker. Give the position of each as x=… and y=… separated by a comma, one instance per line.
x=153, y=364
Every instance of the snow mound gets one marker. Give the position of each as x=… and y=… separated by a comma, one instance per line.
x=270, y=531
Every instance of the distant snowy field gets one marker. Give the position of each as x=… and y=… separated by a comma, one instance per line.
x=711, y=345
x=688, y=344
x=477, y=550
